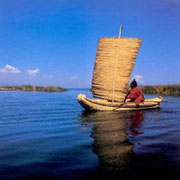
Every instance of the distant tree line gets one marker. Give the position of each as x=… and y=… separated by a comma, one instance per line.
x=32, y=88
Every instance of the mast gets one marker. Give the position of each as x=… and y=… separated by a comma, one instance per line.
x=116, y=60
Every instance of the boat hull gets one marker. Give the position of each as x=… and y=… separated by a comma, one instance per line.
x=104, y=105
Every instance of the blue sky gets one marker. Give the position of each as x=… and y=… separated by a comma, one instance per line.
x=53, y=42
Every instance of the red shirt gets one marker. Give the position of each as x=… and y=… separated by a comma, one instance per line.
x=137, y=94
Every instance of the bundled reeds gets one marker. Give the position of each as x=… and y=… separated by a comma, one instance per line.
x=114, y=63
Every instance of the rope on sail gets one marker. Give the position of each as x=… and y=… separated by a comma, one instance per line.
x=116, y=60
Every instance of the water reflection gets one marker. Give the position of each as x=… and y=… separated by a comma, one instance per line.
x=136, y=121
x=110, y=133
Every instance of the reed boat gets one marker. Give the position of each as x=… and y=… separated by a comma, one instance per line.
x=104, y=105
x=115, y=59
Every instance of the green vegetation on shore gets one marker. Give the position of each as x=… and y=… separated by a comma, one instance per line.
x=32, y=88
x=167, y=90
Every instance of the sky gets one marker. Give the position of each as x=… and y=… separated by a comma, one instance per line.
x=54, y=42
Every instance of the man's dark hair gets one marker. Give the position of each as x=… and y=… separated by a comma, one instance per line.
x=133, y=84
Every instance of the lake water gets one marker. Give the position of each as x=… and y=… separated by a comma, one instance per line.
x=49, y=136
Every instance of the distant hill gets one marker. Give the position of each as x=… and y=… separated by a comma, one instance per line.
x=32, y=88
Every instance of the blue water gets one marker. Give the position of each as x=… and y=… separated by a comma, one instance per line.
x=49, y=136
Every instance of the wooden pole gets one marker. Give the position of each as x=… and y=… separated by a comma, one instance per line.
x=116, y=60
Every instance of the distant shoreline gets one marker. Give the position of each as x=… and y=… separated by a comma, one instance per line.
x=33, y=88
x=166, y=90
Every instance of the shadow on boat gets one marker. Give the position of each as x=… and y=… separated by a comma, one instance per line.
x=110, y=134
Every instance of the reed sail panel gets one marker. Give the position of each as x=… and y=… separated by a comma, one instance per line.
x=114, y=63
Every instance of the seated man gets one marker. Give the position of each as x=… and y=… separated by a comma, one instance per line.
x=135, y=94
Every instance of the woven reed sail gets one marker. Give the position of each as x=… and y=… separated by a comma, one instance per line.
x=105, y=81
